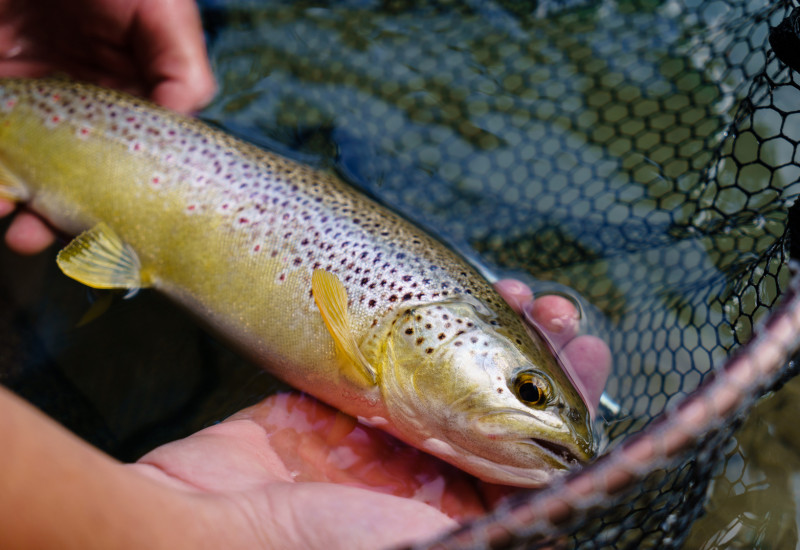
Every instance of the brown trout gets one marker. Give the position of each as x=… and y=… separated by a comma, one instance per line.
x=326, y=289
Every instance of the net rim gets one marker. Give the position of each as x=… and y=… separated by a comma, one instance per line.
x=730, y=391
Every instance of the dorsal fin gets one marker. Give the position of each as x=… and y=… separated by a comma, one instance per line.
x=331, y=298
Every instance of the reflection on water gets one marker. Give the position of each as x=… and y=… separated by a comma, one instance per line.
x=605, y=146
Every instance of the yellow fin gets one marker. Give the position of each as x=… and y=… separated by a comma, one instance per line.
x=11, y=188
x=331, y=298
x=98, y=308
x=98, y=258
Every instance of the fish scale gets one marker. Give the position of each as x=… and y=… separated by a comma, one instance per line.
x=234, y=234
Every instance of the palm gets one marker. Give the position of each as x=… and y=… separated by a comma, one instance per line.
x=305, y=475
x=314, y=505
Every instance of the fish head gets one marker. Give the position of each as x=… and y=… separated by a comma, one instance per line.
x=484, y=394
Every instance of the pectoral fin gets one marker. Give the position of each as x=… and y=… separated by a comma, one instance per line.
x=98, y=258
x=331, y=298
x=11, y=188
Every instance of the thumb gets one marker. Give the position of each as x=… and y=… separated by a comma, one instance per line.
x=168, y=40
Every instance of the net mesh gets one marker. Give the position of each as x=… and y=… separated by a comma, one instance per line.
x=643, y=153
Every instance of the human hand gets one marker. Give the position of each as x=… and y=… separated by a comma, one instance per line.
x=152, y=48
x=310, y=476
x=289, y=472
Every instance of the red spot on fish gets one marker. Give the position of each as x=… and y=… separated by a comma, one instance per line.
x=56, y=118
x=56, y=97
x=243, y=220
x=155, y=181
x=84, y=131
x=257, y=247
x=10, y=103
x=130, y=119
x=190, y=207
x=282, y=277
x=136, y=147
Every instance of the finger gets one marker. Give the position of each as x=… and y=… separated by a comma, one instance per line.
x=6, y=207
x=28, y=234
x=589, y=359
x=171, y=49
x=557, y=316
x=516, y=293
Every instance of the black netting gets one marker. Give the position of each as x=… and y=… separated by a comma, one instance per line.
x=643, y=153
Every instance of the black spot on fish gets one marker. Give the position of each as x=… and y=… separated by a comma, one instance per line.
x=420, y=340
x=441, y=336
x=428, y=350
x=409, y=331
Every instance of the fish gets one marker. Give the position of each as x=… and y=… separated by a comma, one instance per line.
x=330, y=291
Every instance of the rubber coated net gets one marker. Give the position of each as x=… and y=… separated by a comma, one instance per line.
x=642, y=153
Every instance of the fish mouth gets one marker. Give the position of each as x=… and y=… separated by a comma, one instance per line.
x=560, y=453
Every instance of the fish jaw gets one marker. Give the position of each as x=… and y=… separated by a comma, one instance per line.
x=564, y=444
x=457, y=401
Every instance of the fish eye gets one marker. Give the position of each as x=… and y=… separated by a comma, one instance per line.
x=531, y=389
